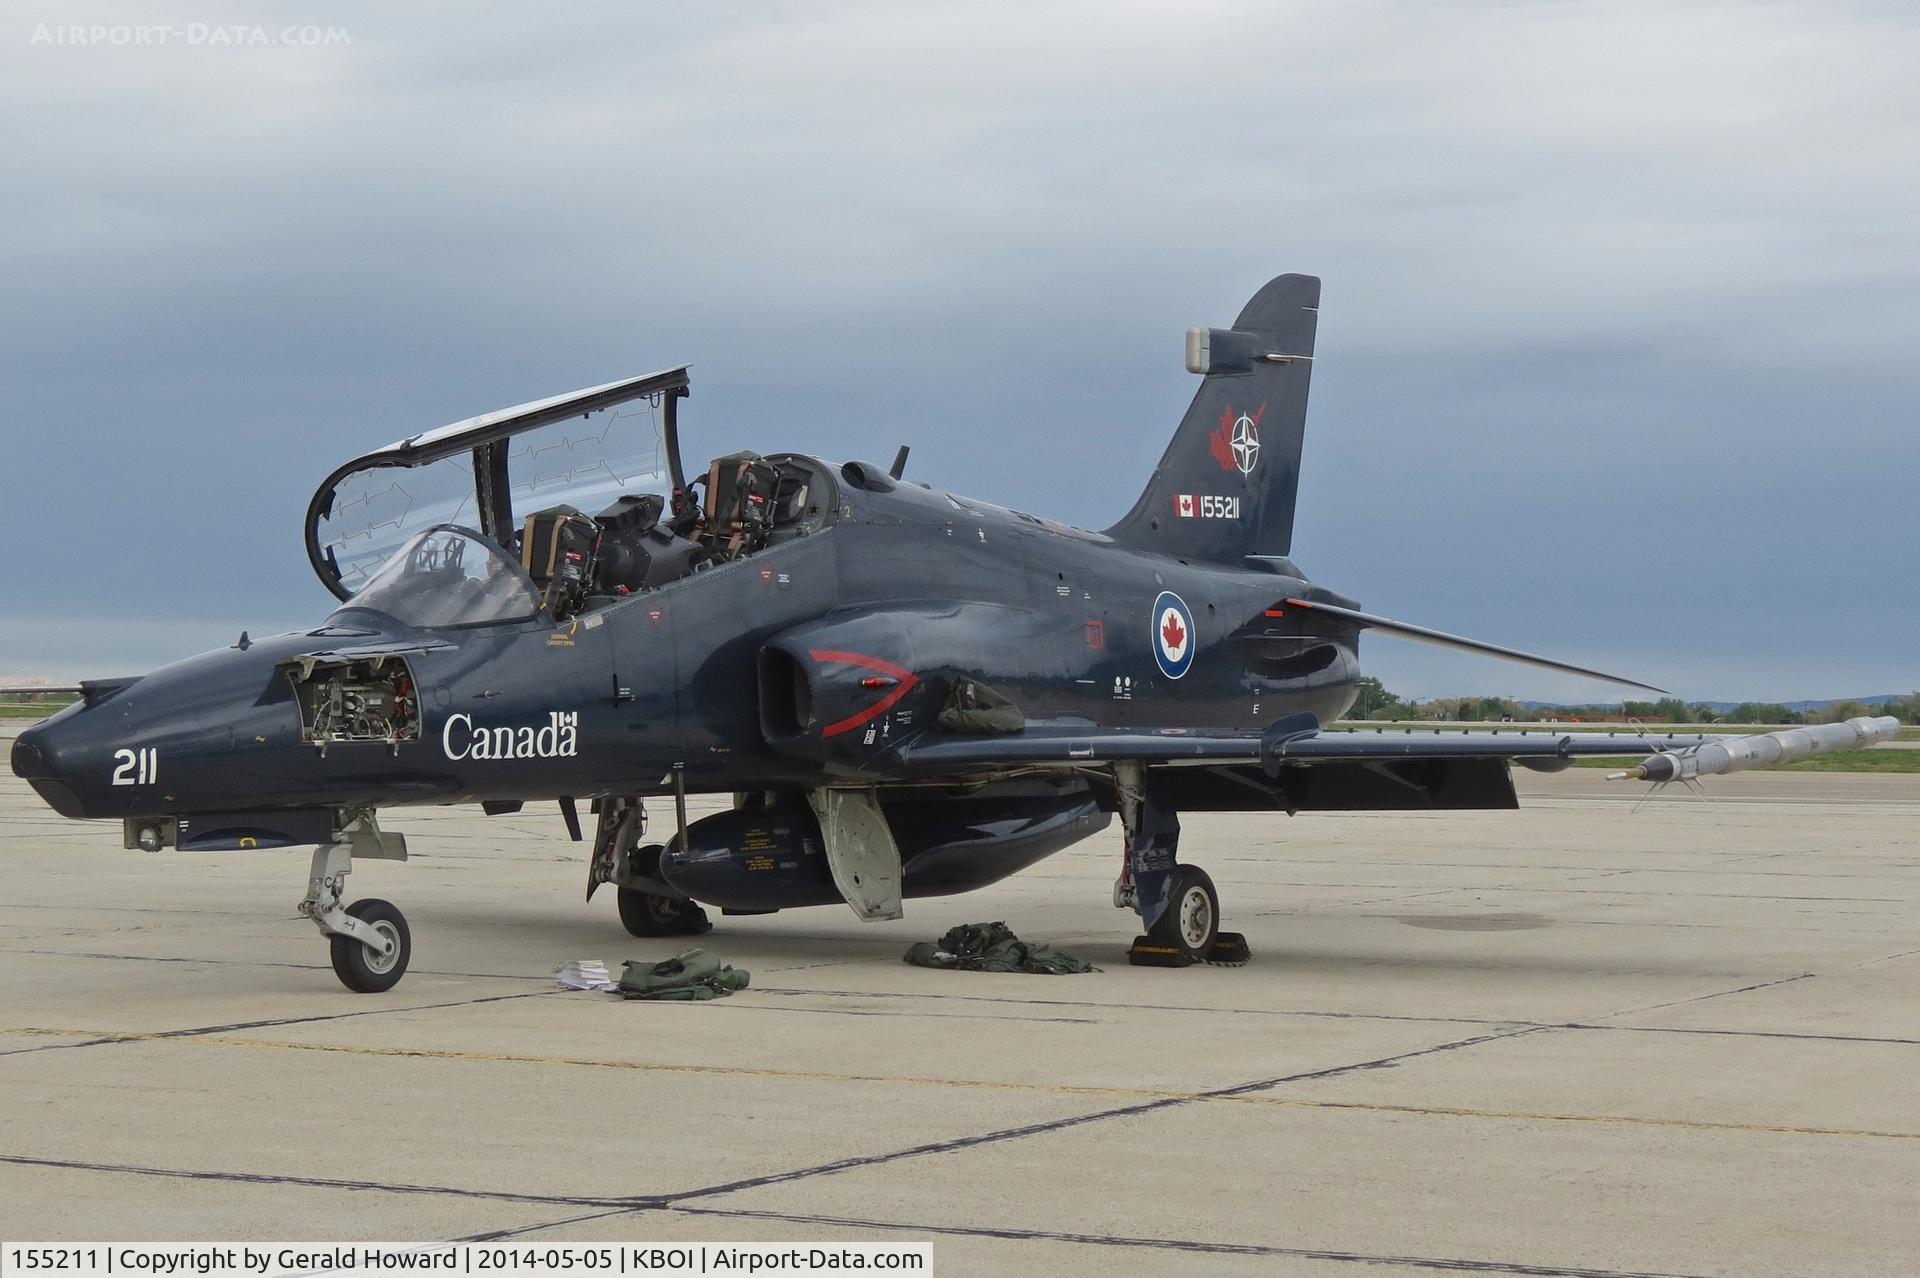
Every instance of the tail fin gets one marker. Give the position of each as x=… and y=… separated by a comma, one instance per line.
x=1227, y=485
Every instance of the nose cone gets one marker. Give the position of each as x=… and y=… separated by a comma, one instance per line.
x=29, y=762
x=36, y=762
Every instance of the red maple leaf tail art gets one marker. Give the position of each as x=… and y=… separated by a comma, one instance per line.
x=1173, y=633
x=1220, y=442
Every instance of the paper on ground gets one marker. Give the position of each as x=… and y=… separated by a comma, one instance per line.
x=583, y=974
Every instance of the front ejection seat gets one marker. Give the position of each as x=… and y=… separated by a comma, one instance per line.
x=556, y=549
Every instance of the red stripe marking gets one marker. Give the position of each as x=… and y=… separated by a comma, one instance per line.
x=836, y=657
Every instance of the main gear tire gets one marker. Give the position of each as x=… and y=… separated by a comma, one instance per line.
x=1191, y=920
x=653, y=914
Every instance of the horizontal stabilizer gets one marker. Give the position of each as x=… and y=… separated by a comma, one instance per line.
x=1441, y=638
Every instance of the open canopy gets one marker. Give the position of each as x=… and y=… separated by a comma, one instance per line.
x=582, y=449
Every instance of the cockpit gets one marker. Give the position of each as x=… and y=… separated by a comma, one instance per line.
x=551, y=509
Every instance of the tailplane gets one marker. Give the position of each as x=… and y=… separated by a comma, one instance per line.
x=1227, y=485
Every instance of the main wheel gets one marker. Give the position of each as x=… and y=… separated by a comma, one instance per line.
x=651, y=914
x=1192, y=917
x=359, y=968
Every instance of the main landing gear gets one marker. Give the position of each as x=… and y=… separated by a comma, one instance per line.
x=369, y=939
x=648, y=907
x=1178, y=903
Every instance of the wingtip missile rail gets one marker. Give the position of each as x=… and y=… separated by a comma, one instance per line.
x=1736, y=754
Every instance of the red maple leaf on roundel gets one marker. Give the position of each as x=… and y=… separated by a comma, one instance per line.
x=1172, y=633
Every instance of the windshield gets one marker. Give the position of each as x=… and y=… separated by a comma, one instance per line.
x=448, y=576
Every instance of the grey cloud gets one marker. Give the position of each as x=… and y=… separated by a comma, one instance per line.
x=1614, y=353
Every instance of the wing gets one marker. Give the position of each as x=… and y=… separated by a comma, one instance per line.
x=1045, y=744
x=1300, y=740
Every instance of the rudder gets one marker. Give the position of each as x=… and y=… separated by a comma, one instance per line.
x=1227, y=486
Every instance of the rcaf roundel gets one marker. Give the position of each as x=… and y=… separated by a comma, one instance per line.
x=1173, y=641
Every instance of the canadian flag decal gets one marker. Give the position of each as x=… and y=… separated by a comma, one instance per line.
x=1183, y=505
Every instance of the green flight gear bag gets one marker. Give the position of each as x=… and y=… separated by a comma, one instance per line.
x=992, y=947
x=690, y=977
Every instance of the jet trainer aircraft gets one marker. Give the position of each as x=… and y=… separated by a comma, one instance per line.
x=908, y=692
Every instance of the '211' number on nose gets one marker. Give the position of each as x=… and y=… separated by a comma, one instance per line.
x=137, y=767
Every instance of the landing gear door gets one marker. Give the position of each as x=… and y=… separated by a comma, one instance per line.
x=860, y=851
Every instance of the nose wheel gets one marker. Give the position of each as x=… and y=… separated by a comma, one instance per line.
x=369, y=941
x=362, y=968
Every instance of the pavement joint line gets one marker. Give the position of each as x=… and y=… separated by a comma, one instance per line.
x=1885, y=959
x=220, y=962
x=1457, y=1265
x=1015, y=1234
x=745, y=1007
x=1640, y=924
x=809, y=967
x=1052, y=1089
x=1491, y=1021
x=1702, y=998
x=1049, y=1126
x=1740, y=1033
x=101, y=1038
x=306, y=1182
x=1702, y=896
x=1690, y=1124
x=520, y=1231
x=795, y=991
x=662, y=1067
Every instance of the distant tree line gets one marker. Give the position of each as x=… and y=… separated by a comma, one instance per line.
x=1376, y=701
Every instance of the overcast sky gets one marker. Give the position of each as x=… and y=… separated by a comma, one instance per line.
x=1616, y=355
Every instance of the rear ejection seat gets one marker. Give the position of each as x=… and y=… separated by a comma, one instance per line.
x=740, y=504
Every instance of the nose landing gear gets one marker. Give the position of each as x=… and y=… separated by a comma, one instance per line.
x=369, y=940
